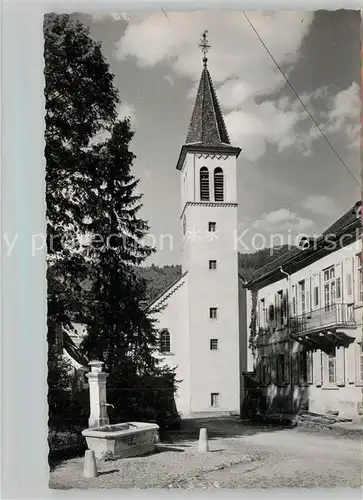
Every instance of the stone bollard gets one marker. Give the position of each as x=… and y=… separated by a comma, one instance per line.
x=90, y=467
x=203, y=445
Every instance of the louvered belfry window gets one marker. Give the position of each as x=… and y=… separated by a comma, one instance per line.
x=218, y=185
x=204, y=184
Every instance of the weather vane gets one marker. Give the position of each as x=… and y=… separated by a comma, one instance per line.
x=204, y=46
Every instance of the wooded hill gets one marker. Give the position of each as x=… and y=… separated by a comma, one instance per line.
x=159, y=278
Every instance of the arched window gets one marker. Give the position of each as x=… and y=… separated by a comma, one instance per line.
x=204, y=184
x=164, y=341
x=218, y=184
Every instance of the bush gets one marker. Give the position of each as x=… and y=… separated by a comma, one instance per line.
x=66, y=443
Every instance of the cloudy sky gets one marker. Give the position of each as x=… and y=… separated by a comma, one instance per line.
x=289, y=180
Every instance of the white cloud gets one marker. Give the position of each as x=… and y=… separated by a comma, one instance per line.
x=320, y=205
x=282, y=220
x=244, y=74
x=99, y=17
x=126, y=110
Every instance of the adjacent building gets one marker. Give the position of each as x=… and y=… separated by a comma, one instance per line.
x=305, y=313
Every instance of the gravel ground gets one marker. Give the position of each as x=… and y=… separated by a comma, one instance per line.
x=168, y=468
x=241, y=456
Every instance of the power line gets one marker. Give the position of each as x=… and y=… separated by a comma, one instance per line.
x=302, y=103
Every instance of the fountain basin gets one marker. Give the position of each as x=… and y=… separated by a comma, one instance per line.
x=128, y=439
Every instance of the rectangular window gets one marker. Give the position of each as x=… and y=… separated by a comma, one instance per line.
x=293, y=300
x=281, y=369
x=214, y=399
x=303, y=362
x=263, y=370
x=332, y=368
x=329, y=287
x=361, y=361
x=213, y=312
x=212, y=264
x=213, y=344
x=211, y=227
x=271, y=313
x=262, y=312
x=360, y=278
x=339, y=288
x=280, y=307
x=302, y=296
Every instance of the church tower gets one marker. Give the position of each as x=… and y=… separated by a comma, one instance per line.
x=207, y=165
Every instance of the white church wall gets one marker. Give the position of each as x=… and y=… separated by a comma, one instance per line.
x=175, y=318
x=214, y=371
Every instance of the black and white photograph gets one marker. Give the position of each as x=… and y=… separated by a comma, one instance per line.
x=204, y=249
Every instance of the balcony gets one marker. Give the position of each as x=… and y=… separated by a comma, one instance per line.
x=319, y=329
x=335, y=315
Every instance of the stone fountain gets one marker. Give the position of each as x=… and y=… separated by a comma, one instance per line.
x=125, y=439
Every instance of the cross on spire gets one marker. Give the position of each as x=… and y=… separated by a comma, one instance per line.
x=204, y=46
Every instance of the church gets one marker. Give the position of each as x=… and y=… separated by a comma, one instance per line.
x=286, y=341
x=202, y=324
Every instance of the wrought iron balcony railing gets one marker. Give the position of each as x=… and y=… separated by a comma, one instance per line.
x=334, y=315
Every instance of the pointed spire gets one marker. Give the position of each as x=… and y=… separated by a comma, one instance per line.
x=207, y=127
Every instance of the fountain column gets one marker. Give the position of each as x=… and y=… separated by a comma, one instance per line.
x=97, y=393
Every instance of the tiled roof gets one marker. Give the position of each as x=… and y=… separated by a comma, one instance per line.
x=207, y=127
x=293, y=255
x=167, y=289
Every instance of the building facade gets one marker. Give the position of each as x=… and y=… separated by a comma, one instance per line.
x=305, y=315
x=200, y=325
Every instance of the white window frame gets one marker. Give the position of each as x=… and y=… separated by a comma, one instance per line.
x=332, y=367
x=215, y=400
x=359, y=278
x=213, y=342
x=302, y=297
x=213, y=313
x=280, y=320
x=262, y=313
x=164, y=331
x=213, y=265
x=329, y=287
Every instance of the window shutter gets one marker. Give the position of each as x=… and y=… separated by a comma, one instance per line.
x=357, y=358
x=268, y=370
x=314, y=284
x=286, y=375
x=310, y=367
x=275, y=324
x=350, y=363
x=348, y=286
x=274, y=375
x=317, y=368
x=295, y=368
x=308, y=294
x=338, y=283
x=340, y=366
x=285, y=305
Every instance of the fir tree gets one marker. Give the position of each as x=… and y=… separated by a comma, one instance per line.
x=90, y=195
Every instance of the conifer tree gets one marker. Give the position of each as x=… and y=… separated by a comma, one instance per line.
x=91, y=198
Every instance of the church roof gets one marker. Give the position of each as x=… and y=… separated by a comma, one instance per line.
x=207, y=130
x=207, y=127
